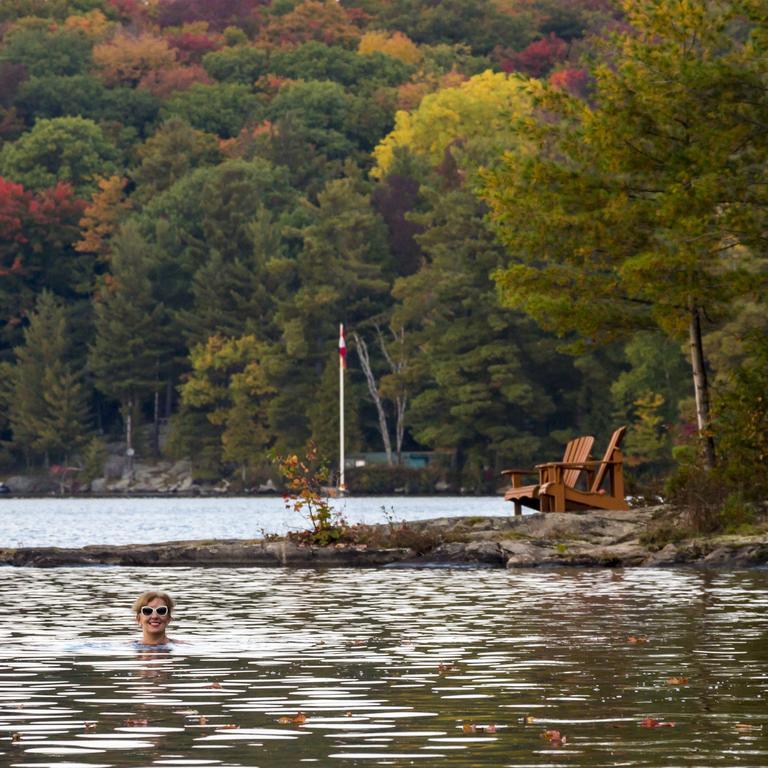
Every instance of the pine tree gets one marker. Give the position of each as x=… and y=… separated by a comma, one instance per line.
x=130, y=353
x=49, y=412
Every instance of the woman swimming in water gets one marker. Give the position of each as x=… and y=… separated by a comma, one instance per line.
x=153, y=614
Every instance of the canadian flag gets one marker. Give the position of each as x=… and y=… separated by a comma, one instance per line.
x=342, y=347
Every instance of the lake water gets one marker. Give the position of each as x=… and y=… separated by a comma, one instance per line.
x=75, y=522
x=387, y=667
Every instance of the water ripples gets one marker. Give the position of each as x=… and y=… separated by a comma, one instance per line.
x=435, y=668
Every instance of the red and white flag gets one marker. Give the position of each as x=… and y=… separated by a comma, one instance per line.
x=342, y=347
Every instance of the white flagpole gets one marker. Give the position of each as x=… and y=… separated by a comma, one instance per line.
x=342, y=360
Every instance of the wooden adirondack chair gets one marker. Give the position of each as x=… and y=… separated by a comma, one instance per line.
x=557, y=495
x=576, y=452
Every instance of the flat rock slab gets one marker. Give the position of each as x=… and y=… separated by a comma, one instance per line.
x=230, y=554
x=581, y=539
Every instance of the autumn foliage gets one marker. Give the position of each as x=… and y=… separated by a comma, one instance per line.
x=103, y=215
x=127, y=58
x=537, y=58
x=571, y=79
x=323, y=20
x=28, y=219
x=397, y=45
x=249, y=167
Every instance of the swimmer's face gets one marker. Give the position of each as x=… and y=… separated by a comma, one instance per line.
x=151, y=621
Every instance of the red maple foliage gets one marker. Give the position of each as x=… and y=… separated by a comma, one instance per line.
x=130, y=10
x=573, y=80
x=192, y=46
x=219, y=14
x=37, y=232
x=538, y=58
x=164, y=82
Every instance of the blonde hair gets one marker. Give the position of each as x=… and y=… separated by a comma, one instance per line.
x=147, y=597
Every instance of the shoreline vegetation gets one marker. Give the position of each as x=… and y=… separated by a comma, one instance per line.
x=641, y=537
x=526, y=239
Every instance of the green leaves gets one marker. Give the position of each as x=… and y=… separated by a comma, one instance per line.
x=68, y=149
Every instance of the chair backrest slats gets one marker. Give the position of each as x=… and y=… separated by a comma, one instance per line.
x=613, y=444
x=576, y=452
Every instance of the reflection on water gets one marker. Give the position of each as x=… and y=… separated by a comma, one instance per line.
x=378, y=667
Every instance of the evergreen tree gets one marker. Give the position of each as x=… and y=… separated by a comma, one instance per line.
x=129, y=356
x=341, y=274
x=49, y=412
x=484, y=381
x=233, y=294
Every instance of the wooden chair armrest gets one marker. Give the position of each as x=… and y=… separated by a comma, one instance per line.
x=518, y=471
x=575, y=465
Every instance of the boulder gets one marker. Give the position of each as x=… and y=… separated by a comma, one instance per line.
x=29, y=485
x=99, y=485
x=114, y=467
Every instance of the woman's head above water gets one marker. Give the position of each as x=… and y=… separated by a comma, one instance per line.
x=153, y=614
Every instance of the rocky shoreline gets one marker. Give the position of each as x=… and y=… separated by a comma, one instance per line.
x=584, y=539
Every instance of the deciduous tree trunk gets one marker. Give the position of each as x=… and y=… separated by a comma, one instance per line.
x=365, y=362
x=401, y=398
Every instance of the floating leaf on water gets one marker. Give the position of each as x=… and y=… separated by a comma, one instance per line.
x=746, y=727
x=89, y=725
x=637, y=639
x=650, y=722
x=529, y=719
x=15, y=737
x=554, y=737
x=138, y=721
x=297, y=719
x=677, y=681
x=468, y=727
x=214, y=685
x=229, y=725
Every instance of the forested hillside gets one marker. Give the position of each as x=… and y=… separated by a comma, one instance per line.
x=195, y=193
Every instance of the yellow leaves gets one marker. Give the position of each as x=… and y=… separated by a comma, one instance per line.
x=103, y=215
x=396, y=45
x=128, y=58
x=225, y=374
x=94, y=24
x=478, y=112
x=677, y=681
